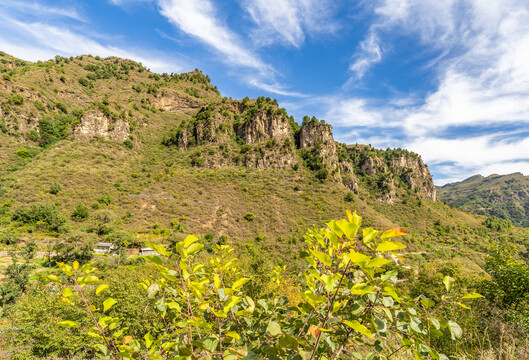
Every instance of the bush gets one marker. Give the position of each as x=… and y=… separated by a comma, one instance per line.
x=17, y=100
x=497, y=224
x=10, y=237
x=348, y=289
x=249, y=216
x=45, y=213
x=80, y=211
x=55, y=188
x=128, y=144
x=349, y=197
x=23, y=153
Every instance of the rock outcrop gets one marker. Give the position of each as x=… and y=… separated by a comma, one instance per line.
x=96, y=124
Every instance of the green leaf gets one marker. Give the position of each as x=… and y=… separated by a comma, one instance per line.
x=289, y=342
x=463, y=305
x=67, y=292
x=234, y=300
x=356, y=257
x=148, y=340
x=355, y=325
x=91, y=279
x=239, y=283
x=108, y=303
x=233, y=334
x=393, y=232
x=324, y=258
x=390, y=246
x=449, y=283
x=68, y=323
x=53, y=278
x=273, y=328
x=101, y=288
x=377, y=262
x=190, y=239
x=194, y=248
x=472, y=296
x=428, y=303
x=455, y=330
x=369, y=234
x=328, y=282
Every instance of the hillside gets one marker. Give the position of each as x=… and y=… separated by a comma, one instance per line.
x=103, y=150
x=503, y=196
x=106, y=148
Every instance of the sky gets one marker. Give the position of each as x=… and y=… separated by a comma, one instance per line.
x=447, y=79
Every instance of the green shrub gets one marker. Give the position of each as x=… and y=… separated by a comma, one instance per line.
x=55, y=188
x=10, y=237
x=17, y=100
x=128, y=144
x=23, y=153
x=497, y=224
x=45, y=213
x=349, y=289
x=349, y=197
x=104, y=199
x=40, y=106
x=80, y=211
x=249, y=216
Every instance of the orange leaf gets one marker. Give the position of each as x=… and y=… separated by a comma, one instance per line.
x=126, y=339
x=315, y=332
x=393, y=232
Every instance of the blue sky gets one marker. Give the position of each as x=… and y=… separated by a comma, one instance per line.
x=446, y=79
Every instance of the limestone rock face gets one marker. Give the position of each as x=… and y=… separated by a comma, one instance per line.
x=95, y=123
x=416, y=175
x=263, y=127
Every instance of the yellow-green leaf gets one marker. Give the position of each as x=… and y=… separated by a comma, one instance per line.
x=449, y=282
x=53, y=278
x=355, y=325
x=91, y=279
x=369, y=234
x=463, y=306
x=239, y=283
x=233, y=334
x=108, y=303
x=356, y=257
x=377, y=262
x=390, y=246
x=67, y=292
x=68, y=323
x=472, y=296
x=328, y=282
x=194, y=248
x=148, y=340
x=324, y=258
x=75, y=265
x=101, y=288
x=393, y=232
x=189, y=240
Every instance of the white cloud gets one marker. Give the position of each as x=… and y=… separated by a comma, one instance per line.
x=34, y=41
x=370, y=53
x=483, y=82
x=34, y=8
x=287, y=21
x=199, y=19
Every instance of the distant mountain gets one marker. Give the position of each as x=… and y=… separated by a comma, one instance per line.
x=504, y=196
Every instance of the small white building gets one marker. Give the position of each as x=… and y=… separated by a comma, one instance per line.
x=103, y=248
x=147, y=251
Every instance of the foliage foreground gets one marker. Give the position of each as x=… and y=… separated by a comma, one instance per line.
x=350, y=305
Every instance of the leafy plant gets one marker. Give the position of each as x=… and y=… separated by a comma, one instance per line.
x=350, y=304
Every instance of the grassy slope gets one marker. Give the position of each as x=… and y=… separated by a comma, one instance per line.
x=505, y=196
x=158, y=184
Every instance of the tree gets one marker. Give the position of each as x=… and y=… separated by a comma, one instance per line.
x=350, y=304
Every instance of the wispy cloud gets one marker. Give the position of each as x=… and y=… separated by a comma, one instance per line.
x=199, y=19
x=288, y=21
x=482, y=77
x=33, y=8
x=29, y=38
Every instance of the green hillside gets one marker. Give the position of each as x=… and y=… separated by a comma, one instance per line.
x=503, y=196
x=103, y=150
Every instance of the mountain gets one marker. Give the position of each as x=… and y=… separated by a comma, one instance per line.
x=503, y=196
x=108, y=149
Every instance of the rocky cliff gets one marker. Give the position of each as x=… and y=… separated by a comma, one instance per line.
x=85, y=97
